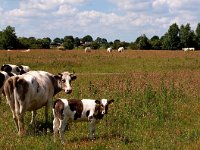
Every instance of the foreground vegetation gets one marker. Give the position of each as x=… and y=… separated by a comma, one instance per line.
x=156, y=94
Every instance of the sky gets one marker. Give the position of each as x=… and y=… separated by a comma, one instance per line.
x=124, y=20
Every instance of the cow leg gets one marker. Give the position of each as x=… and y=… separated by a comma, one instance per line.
x=56, y=124
x=20, y=117
x=92, y=129
x=34, y=113
x=63, y=124
x=12, y=107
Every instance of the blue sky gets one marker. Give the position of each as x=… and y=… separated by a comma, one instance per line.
x=111, y=19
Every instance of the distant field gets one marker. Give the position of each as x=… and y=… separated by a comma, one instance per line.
x=157, y=99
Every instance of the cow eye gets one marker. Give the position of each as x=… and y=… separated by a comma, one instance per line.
x=63, y=80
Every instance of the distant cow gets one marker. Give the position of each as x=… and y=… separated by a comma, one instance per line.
x=109, y=49
x=17, y=69
x=120, y=49
x=87, y=110
x=188, y=49
x=87, y=49
x=33, y=90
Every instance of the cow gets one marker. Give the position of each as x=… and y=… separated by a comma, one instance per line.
x=3, y=77
x=120, y=49
x=33, y=90
x=88, y=110
x=109, y=49
x=17, y=69
x=87, y=49
x=191, y=48
x=185, y=49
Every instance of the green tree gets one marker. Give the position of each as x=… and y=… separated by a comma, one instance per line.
x=57, y=41
x=9, y=39
x=95, y=45
x=142, y=42
x=116, y=44
x=46, y=43
x=77, y=42
x=155, y=43
x=173, y=37
x=87, y=38
x=187, y=36
x=197, y=39
x=68, y=44
x=165, y=42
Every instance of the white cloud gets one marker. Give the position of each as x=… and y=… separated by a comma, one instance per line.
x=77, y=17
x=65, y=10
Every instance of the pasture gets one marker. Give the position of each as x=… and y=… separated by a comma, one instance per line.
x=156, y=93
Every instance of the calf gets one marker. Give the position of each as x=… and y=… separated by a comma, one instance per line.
x=17, y=69
x=33, y=90
x=78, y=110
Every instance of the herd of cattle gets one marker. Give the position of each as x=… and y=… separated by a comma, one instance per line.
x=109, y=49
x=28, y=90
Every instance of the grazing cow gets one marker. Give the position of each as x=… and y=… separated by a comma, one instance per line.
x=33, y=90
x=109, y=49
x=185, y=49
x=120, y=49
x=191, y=49
x=87, y=49
x=87, y=110
x=17, y=69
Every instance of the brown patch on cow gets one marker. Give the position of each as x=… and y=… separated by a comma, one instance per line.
x=9, y=87
x=2, y=79
x=54, y=81
x=58, y=109
x=98, y=111
x=76, y=105
x=106, y=107
x=22, y=87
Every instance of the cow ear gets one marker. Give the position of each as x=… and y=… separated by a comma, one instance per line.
x=111, y=101
x=57, y=77
x=73, y=77
x=60, y=75
x=97, y=102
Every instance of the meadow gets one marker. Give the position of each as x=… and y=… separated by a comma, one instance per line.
x=156, y=93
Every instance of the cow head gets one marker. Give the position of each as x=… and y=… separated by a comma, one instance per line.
x=65, y=81
x=102, y=108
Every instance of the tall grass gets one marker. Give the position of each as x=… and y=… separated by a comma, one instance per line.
x=156, y=100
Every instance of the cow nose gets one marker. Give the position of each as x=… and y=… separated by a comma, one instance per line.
x=68, y=91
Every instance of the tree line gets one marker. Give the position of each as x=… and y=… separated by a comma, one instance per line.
x=175, y=38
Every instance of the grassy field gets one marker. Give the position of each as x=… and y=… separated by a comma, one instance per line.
x=157, y=99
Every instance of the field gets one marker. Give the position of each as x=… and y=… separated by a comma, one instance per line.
x=156, y=93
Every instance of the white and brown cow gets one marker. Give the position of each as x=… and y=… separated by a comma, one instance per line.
x=33, y=90
x=88, y=110
x=17, y=69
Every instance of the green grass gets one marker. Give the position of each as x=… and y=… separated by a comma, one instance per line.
x=156, y=94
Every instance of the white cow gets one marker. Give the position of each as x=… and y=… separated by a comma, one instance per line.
x=191, y=48
x=33, y=90
x=17, y=69
x=185, y=49
x=109, y=49
x=87, y=110
x=120, y=49
x=87, y=49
